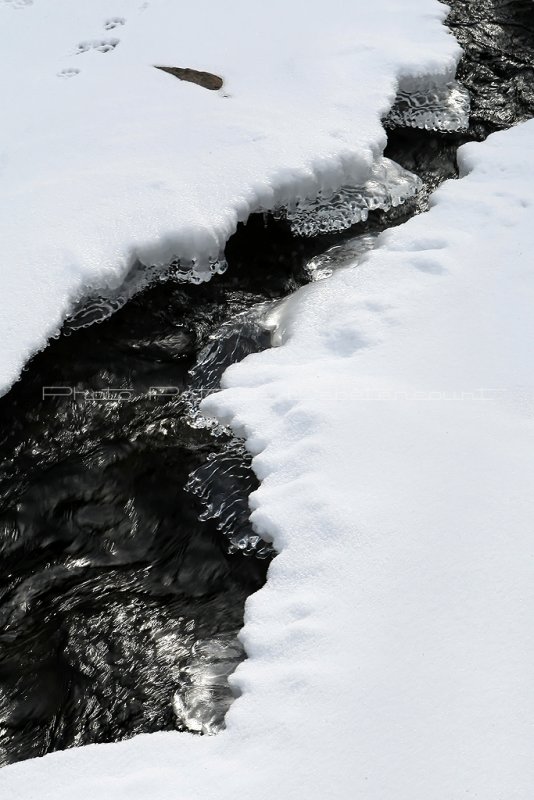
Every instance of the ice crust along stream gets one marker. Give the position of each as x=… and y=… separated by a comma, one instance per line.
x=430, y=105
x=387, y=186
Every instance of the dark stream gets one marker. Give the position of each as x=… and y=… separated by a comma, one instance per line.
x=121, y=590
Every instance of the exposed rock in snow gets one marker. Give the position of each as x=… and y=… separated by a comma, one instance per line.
x=205, y=79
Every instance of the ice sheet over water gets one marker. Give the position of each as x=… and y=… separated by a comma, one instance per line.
x=420, y=103
x=389, y=185
x=98, y=306
x=205, y=696
x=428, y=104
x=347, y=254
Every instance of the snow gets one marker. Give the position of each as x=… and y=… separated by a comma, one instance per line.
x=106, y=161
x=390, y=652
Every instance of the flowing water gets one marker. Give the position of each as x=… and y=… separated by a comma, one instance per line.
x=126, y=553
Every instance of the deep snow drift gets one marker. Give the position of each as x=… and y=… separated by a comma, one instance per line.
x=106, y=161
x=390, y=651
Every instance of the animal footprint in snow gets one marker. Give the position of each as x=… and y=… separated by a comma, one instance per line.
x=102, y=45
x=68, y=73
x=114, y=22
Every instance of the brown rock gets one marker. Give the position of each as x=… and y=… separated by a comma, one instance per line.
x=206, y=79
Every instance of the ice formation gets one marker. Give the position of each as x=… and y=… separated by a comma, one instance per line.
x=347, y=254
x=94, y=306
x=434, y=105
x=205, y=695
x=387, y=186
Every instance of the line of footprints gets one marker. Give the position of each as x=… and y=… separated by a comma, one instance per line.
x=102, y=45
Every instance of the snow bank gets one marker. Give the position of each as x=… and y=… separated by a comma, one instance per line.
x=391, y=650
x=106, y=162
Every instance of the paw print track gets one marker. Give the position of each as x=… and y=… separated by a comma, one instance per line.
x=114, y=22
x=68, y=73
x=102, y=45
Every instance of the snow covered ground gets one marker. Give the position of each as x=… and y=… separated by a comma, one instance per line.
x=105, y=160
x=390, y=652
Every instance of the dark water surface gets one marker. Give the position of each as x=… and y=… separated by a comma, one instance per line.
x=121, y=589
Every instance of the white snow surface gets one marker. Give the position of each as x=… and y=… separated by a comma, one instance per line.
x=391, y=650
x=105, y=160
